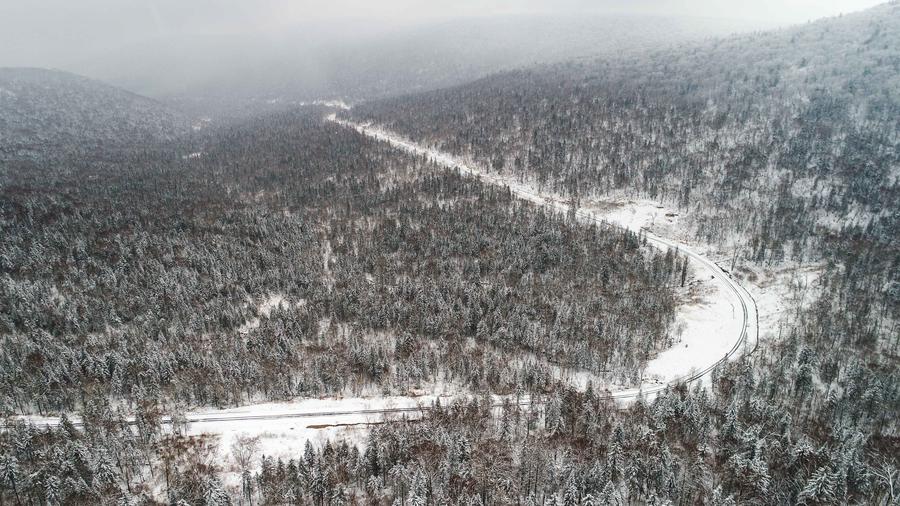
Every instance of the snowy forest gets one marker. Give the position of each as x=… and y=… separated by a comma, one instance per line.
x=390, y=272
x=150, y=268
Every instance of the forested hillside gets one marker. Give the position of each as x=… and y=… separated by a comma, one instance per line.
x=262, y=210
x=782, y=138
x=47, y=112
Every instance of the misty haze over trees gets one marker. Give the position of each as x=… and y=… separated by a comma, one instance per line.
x=196, y=226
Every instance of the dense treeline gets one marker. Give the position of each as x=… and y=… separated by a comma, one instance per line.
x=783, y=146
x=293, y=257
x=810, y=418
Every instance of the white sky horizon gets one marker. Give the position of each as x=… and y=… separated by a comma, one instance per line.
x=56, y=33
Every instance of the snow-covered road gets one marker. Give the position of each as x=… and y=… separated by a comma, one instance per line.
x=715, y=329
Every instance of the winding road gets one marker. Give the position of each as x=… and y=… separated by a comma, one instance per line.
x=746, y=335
x=748, y=331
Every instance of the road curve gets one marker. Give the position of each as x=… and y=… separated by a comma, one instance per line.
x=749, y=317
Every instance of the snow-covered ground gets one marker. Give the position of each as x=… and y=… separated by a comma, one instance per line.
x=334, y=103
x=283, y=428
x=712, y=317
x=340, y=104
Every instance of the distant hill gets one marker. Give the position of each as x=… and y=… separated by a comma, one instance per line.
x=47, y=112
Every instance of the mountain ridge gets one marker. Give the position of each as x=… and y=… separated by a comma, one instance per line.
x=49, y=112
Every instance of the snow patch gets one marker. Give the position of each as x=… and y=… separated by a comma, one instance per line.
x=265, y=309
x=339, y=104
x=201, y=123
x=714, y=328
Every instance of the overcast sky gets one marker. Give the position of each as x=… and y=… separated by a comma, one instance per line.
x=56, y=33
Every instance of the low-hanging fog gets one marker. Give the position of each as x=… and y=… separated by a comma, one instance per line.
x=353, y=48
